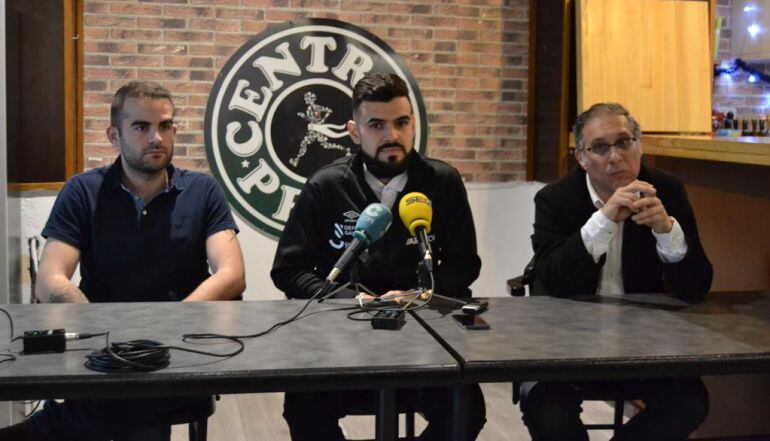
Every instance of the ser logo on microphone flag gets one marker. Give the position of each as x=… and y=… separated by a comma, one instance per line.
x=279, y=107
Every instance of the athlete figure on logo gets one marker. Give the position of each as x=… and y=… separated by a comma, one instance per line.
x=317, y=131
x=386, y=168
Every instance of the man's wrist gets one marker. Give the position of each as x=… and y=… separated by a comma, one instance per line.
x=668, y=227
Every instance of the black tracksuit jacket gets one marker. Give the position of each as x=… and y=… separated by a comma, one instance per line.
x=323, y=219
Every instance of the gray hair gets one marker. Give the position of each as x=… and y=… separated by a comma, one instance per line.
x=602, y=109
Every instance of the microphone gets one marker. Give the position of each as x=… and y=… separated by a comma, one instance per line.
x=416, y=212
x=370, y=227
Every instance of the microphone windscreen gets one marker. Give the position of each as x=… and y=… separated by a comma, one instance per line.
x=415, y=211
x=373, y=223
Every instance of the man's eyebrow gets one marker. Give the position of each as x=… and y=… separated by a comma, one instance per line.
x=604, y=139
x=147, y=123
x=373, y=119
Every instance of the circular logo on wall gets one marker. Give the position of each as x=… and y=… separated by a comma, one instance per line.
x=279, y=108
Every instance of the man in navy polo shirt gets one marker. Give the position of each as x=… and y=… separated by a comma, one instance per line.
x=142, y=231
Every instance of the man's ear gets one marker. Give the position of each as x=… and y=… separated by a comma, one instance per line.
x=579, y=158
x=353, y=130
x=113, y=135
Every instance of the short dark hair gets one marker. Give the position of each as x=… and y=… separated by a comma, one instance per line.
x=378, y=87
x=136, y=89
x=602, y=109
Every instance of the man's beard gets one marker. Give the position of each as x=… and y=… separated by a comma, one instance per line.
x=138, y=162
x=387, y=169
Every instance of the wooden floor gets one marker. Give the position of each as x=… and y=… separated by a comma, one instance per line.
x=258, y=417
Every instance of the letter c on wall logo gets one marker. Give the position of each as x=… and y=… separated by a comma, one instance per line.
x=278, y=111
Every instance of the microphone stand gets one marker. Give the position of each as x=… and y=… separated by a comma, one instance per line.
x=353, y=283
x=424, y=272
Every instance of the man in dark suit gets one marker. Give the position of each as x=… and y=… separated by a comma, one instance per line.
x=614, y=226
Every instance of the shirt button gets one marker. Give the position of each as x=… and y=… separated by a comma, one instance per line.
x=144, y=212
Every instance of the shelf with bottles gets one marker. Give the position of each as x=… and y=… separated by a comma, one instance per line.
x=728, y=125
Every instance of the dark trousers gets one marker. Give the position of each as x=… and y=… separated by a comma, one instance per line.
x=674, y=408
x=313, y=416
x=103, y=420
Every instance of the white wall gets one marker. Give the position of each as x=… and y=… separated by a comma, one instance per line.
x=503, y=214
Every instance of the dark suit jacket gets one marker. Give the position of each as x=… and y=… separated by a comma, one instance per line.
x=563, y=266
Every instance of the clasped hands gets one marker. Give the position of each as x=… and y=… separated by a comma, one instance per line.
x=638, y=201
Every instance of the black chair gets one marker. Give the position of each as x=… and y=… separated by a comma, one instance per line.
x=195, y=415
x=521, y=286
x=35, y=243
x=517, y=286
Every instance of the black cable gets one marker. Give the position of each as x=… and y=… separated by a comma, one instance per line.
x=83, y=335
x=142, y=355
x=203, y=336
x=149, y=355
x=34, y=408
x=352, y=315
x=10, y=322
x=7, y=358
x=131, y=356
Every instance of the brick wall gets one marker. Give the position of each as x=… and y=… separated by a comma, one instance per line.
x=734, y=93
x=470, y=59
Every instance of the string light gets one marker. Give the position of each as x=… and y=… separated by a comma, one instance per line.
x=727, y=69
x=754, y=30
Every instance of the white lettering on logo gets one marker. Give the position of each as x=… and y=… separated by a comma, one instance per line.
x=286, y=65
x=356, y=61
x=247, y=148
x=317, y=52
x=263, y=177
x=287, y=202
x=249, y=104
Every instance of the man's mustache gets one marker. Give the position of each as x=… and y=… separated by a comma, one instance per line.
x=390, y=145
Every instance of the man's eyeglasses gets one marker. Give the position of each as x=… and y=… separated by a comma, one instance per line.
x=603, y=149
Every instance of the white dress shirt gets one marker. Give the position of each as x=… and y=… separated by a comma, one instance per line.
x=601, y=235
x=386, y=193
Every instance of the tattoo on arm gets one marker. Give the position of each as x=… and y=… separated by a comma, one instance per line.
x=55, y=297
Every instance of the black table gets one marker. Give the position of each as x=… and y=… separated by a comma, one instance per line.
x=533, y=338
x=323, y=351
x=609, y=337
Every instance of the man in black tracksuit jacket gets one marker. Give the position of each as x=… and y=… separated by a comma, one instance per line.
x=321, y=226
x=331, y=201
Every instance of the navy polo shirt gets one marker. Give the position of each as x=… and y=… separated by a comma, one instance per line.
x=156, y=256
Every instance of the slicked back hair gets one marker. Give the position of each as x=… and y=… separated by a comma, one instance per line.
x=136, y=89
x=378, y=87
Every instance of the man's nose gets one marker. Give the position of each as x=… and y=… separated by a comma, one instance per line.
x=153, y=137
x=614, y=154
x=391, y=134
